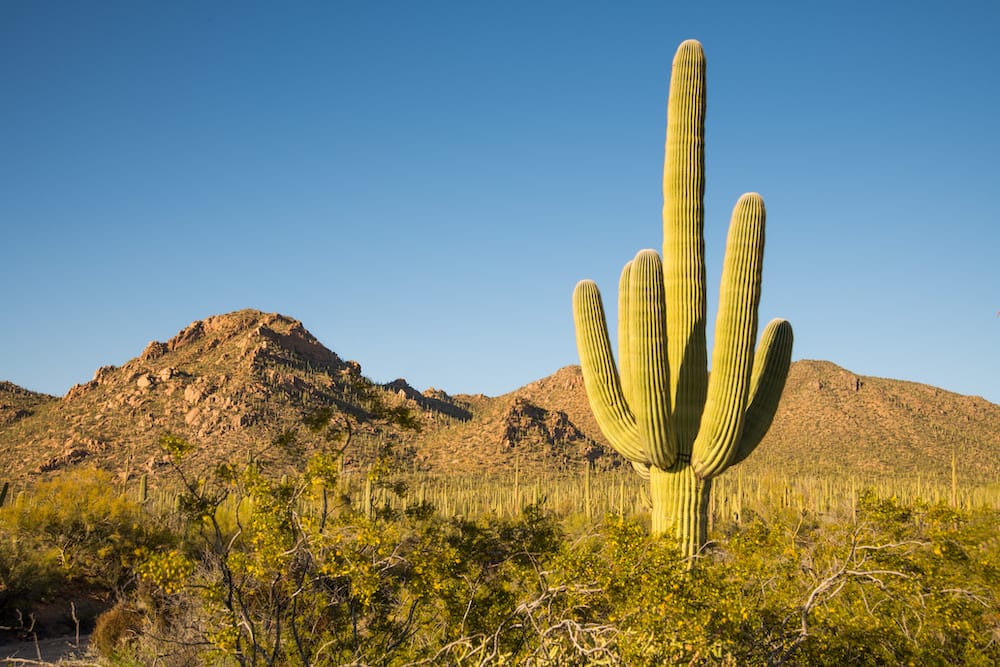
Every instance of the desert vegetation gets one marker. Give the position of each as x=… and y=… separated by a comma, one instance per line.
x=252, y=566
x=341, y=541
x=256, y=562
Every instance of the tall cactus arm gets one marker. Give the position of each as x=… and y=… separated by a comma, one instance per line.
x=770, y=370
x=735, y=336
x=683, y=239
x=650, y=371
x=625, y=334
x=600, y=377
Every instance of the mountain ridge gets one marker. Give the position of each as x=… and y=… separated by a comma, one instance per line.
x=233, y=383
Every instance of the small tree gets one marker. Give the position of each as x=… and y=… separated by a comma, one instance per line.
x=283, y=576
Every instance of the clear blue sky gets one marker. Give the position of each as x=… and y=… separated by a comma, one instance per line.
x=423, y=183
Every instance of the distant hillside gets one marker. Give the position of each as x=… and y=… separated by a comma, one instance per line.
x=233, y=383
x=833, y=421
x=830, y=419
x=511, y=431
x=227, y=383
x=17, y=403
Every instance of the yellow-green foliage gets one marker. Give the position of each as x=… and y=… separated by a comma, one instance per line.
x=903, y=585
x=74, y=532
x=308, y=581
x=168, y=570
x=94, y=532
x=883, y=582
x=878, y=581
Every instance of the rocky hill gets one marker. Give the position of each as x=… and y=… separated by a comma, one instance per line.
x=16, y=403
x=233, y=384
x=832, y=421
x=508, y=431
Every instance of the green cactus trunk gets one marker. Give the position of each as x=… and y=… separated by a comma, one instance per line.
x=678, y=425
x=680, y=506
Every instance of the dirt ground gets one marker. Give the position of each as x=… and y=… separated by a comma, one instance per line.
x=55, y=651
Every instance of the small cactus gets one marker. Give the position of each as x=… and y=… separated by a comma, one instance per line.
x=679, y=426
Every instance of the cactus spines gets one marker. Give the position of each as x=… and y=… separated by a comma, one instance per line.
x=678, y=425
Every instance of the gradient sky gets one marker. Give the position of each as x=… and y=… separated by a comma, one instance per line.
x=423, y=183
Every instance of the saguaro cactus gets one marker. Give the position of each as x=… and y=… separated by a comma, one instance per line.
x=659, y=407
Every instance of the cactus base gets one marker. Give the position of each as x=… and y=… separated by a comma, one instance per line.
x=680, y=506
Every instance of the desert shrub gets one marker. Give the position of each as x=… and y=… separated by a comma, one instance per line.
x=73, y=533
x=95, y=531
x=114, y=629
x=300, y=579
x=286, y=569
x=645, y=599
x=898, y=585
x=29, y=571
x=904, y=584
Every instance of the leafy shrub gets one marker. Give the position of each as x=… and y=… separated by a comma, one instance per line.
x=285, y=570
x=70, y=533
x=95, y=531
x=28, y=570
x=270, y=572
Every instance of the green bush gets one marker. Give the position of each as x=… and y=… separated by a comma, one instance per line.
x=272, y=571
x=73, y=532
x=287, y=570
